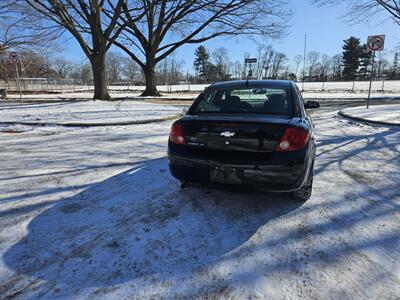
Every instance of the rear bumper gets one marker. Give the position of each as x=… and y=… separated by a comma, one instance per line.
x=279, y=176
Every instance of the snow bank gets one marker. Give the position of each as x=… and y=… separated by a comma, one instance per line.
x=87, y=112
x=389, y=113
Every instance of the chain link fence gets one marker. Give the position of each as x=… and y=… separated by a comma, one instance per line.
x=43, y=85
x=47, y=85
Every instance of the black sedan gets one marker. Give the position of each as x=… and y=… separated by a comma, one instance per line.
x=253, y=132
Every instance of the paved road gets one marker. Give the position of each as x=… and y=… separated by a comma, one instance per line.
x=93, y=212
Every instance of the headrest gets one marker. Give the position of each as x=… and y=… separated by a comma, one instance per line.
x=234, y=99
x=277, y=98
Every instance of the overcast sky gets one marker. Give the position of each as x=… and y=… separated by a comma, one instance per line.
x=325, y=28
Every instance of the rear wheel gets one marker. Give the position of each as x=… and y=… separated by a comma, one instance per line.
x=304, y=193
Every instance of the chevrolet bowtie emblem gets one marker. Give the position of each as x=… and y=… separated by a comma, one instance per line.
x=227, y=133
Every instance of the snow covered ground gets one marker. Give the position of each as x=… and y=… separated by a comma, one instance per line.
x=88, y=112
x=133, y=95
x=381, y=113
x=93, y=213
x=318, y=90
x=88, y=95
x=330, y=86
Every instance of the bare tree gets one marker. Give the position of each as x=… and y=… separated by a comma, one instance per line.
x=169, y=70
x=114, y=62
x=62, y=67
x=297, y=61
x=221, y=59
x=167, y=25
x=312, y=60
x=264, y=61
x=238, y=70
x=277, y=64
x=336, y=63
x=325, y=66
x=30, y=65
x=85, y=21
x=381, y=63
x=269, y=62
x=35, y=65
x=22, y=31
x=83, y=73
x=131, y=70
x=361, y=9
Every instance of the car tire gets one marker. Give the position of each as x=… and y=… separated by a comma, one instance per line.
x=304, y=193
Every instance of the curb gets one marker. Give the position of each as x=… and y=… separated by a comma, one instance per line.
x=344, y=115
x=83, y=124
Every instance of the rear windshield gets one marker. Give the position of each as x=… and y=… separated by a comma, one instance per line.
x=245, y=99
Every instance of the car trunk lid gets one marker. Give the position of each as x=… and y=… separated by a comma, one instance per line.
x=244, y=134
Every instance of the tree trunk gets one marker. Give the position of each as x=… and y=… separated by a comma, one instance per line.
x=99, y=78
x=150, y=77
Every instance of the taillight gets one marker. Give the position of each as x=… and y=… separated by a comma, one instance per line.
x=293, y=139
x=176, y=134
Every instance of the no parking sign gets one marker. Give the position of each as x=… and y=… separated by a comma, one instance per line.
x=376, y=42
x=13, y=57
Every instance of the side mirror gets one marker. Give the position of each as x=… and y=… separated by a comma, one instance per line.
x=311, y=104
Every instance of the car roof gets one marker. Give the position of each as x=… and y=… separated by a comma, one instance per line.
x=252, y=83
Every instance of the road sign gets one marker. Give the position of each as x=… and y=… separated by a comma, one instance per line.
x=13, y=57
x=376, y=42
x=250, y=60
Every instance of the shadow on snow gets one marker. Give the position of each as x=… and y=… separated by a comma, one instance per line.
x=139, y=223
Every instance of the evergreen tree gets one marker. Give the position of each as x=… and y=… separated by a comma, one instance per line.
x=201, y=62
x=365, y=61
x=211, y=73
x=352, y=54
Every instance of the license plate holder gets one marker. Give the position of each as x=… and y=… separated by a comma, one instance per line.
x=228, y=175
